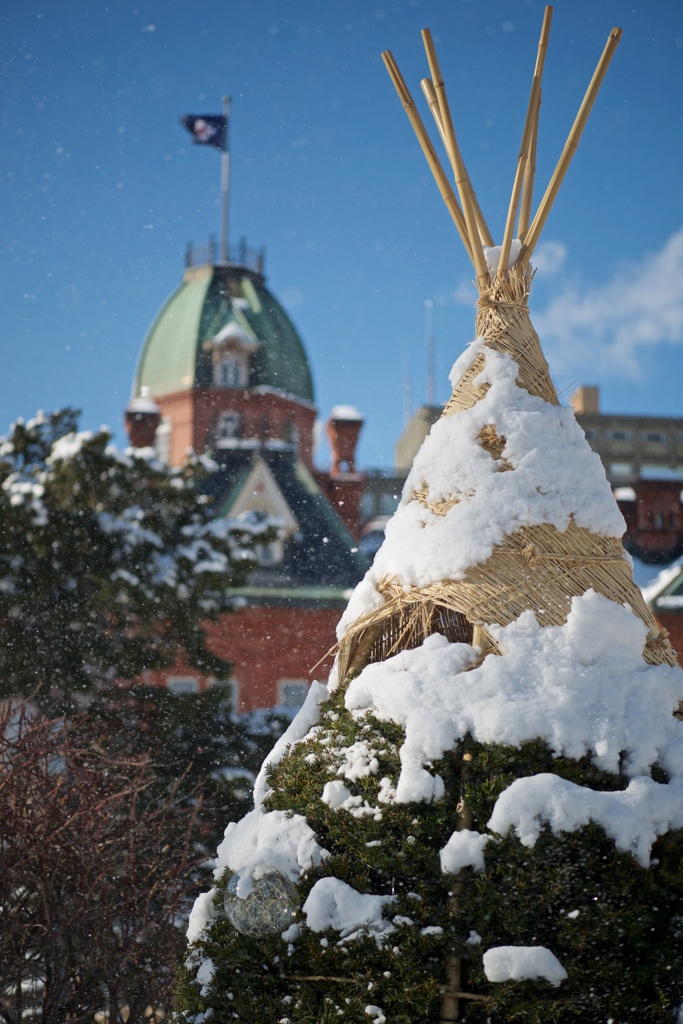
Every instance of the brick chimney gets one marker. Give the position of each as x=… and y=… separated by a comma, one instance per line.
x=586, y=400
x=343, y=485
x=343, y=430
x=143, y=416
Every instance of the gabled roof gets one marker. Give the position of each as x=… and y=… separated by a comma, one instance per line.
x=211, y=298
x=321, y=559
x=665, y=593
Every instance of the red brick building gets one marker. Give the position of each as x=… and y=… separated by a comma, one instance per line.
x=223, y=370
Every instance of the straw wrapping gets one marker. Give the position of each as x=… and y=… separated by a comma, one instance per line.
x=538, y=568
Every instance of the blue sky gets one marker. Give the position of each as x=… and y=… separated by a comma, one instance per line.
x=103, y=189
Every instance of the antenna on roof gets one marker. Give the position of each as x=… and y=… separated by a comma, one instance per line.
x=407, y=409
x=429, y=343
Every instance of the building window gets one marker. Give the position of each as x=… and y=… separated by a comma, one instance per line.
x=183, y=684
x=230, y=372
x=592, y=435
x=228, y=426
x=389, y=504
x=162, y=441
x=621, y=468
x=653, y=437
x=231, y=687
x=619, y=435
x=292, y=435
x=270, y=554
x=291, y=693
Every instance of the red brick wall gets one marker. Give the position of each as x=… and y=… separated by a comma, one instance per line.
x=264, y=416
x=268, y=645
x=673, y=623
x=344, y=493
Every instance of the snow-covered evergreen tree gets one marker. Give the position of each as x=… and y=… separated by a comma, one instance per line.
x=110, y=562
x=480, y=817
x=482, y=830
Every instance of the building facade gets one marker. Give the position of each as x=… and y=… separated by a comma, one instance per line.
x=642, y=457
x=632, y=448
x=224, y=371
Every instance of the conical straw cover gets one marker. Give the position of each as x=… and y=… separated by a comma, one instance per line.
x=506, y=509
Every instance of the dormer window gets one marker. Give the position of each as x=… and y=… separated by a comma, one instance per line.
x=231, y=350
x=230, y=371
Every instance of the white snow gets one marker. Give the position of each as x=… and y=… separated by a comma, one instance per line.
x=555, y=477
x=143, y=402
x=523, y=963
x=335, y=794
x=233, y=332
x=201, y=915
x=662, y=580
x=345, y=412
x=624, y=494
x=582, y=687
x=465, y=849
x=69, y=446
x=264, y=840
x=333, y=904
x=633, y=818
x=205, y=974
x=492, y=255
x=298, y=728
x=359, y=759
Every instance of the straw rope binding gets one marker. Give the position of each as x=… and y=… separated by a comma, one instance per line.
x=539, y=567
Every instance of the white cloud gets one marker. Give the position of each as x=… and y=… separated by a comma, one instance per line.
x=613, y=327
x=549, y=257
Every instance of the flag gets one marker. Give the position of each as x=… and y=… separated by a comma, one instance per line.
x=207, y=129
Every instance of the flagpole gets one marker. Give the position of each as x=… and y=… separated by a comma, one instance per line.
x=225, y=181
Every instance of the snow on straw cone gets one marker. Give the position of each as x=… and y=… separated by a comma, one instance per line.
x=507, y=509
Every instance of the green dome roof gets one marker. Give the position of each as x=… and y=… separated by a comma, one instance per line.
x=175, y=357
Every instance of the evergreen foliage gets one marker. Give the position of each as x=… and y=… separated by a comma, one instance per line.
x=109, y=562
x=614, y=925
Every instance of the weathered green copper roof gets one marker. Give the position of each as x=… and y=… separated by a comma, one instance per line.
x=174, y=356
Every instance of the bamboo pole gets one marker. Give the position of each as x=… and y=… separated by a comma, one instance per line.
x=530, y=169
x=445, y=188
x=461, y=179
x=522, y=159
x=529, y=176
x=517, y=184
x=430, y=96
x=570, y=147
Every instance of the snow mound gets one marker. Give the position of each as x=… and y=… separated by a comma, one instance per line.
x=582, y=687
x=465, y=849
x=332, y=903
x=523, y=963
x=273, y=839
x=633, y=818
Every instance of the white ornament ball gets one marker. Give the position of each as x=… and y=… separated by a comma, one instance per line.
x=268, y=909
